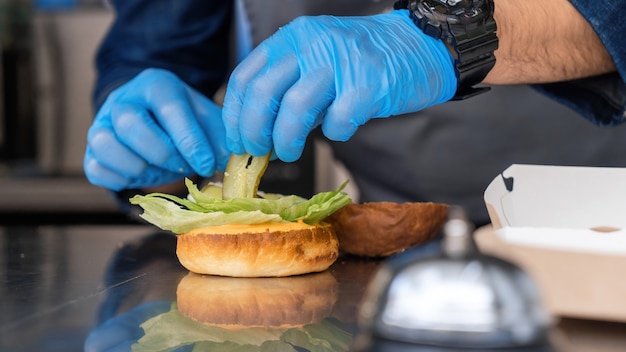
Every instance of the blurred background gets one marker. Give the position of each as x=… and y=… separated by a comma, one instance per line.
x=46, y=77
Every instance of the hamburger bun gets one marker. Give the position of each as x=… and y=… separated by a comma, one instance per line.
x=240, y=303
x=262, y=250
x=380, y=229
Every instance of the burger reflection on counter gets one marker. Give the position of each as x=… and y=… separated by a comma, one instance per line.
x=249, y=314
x=183, y=311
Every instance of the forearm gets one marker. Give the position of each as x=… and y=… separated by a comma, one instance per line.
x=545, y=41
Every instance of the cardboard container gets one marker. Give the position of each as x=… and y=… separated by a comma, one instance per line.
x=566, y=227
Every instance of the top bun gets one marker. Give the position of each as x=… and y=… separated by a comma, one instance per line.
x=380, y=229
x=263, y=250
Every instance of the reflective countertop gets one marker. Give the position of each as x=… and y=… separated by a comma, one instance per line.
x=65, y=288
x=61, y=284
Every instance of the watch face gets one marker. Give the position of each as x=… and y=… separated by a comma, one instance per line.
x=452, y=11
x=443, y=5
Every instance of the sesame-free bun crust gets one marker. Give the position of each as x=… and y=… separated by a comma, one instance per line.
x=380, y=229
x=263, y=250
x=237, y=303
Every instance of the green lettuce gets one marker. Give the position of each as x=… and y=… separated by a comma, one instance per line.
x=171, y=330
x=199, y=209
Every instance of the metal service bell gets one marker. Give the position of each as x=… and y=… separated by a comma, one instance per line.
x=450, y=295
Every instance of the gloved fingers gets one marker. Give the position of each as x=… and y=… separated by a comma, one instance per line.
x=263, y=102
x=302, y=109
x=345, y=115
x=100, y=175
x=253, y=95
x=235, y=95
x=155, y=176
x=136, y=128
x=148, y=132
x=210, y=118
x=170, y=105
x=110, y=152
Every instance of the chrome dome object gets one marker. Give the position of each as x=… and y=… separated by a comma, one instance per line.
x=453, y=297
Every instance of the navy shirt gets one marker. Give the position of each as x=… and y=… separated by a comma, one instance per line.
x=190, y=38
x=602, y=99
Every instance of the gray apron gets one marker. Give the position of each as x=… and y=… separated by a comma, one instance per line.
x=266, y=16
x=449, y=153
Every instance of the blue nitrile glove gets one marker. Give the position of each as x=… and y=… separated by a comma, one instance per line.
x=335, y=71
x=153, y=130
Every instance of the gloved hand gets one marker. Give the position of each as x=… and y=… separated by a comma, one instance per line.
x=153, y=130
x=335, y=71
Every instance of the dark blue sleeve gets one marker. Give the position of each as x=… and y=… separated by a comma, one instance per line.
x=600, y=99
x=188, y=37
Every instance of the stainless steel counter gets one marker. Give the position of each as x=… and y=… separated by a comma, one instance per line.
x=53, y=283
x=61, y=283
x=65, y=285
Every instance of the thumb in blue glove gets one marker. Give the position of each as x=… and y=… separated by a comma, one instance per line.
x=154, y=130
x=335, y=71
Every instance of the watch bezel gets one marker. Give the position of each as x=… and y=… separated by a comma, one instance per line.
x=456, y=12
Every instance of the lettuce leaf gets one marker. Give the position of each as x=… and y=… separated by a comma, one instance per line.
x=171, y=330
x=200, y=209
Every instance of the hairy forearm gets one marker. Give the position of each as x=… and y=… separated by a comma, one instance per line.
x=545, y=41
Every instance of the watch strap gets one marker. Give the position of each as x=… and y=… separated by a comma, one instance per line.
x=474, y=44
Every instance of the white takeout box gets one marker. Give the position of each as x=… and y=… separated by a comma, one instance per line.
x=566, y=227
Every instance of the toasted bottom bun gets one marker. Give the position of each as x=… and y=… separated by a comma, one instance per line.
x=380, y=229
x=237, y=303
x=263, y=250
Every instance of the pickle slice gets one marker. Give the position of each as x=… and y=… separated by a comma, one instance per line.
x=243, y=175
x=212, y=190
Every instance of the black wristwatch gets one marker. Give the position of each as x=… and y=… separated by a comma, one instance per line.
x=468, y=27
